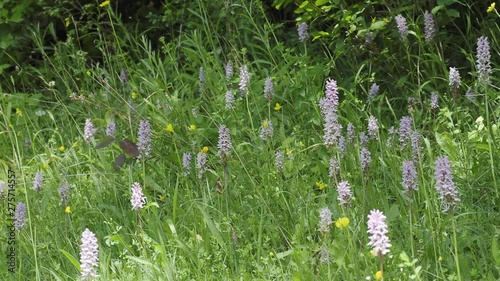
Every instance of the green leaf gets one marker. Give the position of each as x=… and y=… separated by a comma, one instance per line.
x=404, y=256
x=319, y=34
x=144, y=262
x=129, y=148
x=453, y=13
x=212, y=227
x=109, y=115
x=304, y=4
x=445, y=2
x=321, y=2
x=393, y=212
x=436, y=9
x=495, y=252
x=378, y=25
x=284, y=254
x=106, y=141
x=71, y=259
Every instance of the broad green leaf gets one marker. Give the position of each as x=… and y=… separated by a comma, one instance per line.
x=211, y=226
x=144, y=262
x=393, y=212
x=304, y=4
x=109, y=115
x=378, y=25
x=404, y=256
x=321, y=2
x=495, y=251
x=284, y=254
x=453, y=13
x=319, y=34
x=436, y=9
x=71, y=259
x=172, y=227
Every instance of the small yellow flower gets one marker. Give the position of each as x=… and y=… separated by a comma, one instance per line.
x=271, y=254
x=68, y=210
x=491, y=8
x=378, y=275
x=104, y=4
x=161, y=197
x=265, y=124
x=170, y=128
x=204, y=149
x=192, y=128
x=67, y=21
x=61, y=148
x=277, y=107
x=88, y=73
x=440, y=259
x=76, y=144
x=288, y=152
x=134, y=95
x=374, y=19
x=321, y=185
x=19, y=112
x=45, y=166
x=342, y=223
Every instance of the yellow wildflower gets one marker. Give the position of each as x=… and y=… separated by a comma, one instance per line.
x=76, y=144
x=170, y=128
x=134, y=95
x=45, y=166
x=378, y=275
x=288, y=152
x=204, y=149
x=342, y=223
x=104, y=4
x=19, y=112
x=374, y=19
x=271, y=254
x=67, y=21
x=440, y=259
x=192, y=128
x=161, y=197
x=88, y=73
x=265, y=124
x=277, y=107
x=62, y=148
x=321, y=185
x=68, y=210
x=491, y=8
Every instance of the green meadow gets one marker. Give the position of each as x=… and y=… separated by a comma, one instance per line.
x=250, y=140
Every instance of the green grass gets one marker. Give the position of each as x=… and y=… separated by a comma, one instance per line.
x=246, y=220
